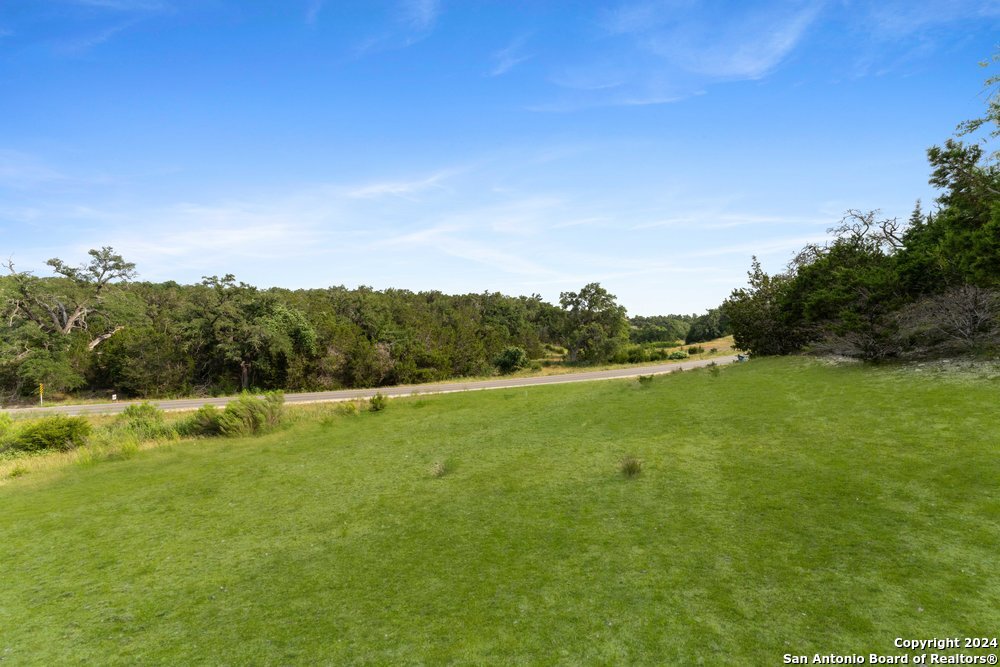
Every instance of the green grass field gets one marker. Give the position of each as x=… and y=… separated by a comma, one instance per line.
x=784, y=506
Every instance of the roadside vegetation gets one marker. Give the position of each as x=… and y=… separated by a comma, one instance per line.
x=622, y=522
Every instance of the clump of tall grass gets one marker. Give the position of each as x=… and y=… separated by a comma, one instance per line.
x=204, y=422
x=249, y=415
x=440, y=468
x=143, y=421
x=630, y=466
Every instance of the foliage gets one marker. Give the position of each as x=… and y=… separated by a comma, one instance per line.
x=713, y=324
x=56, y=432
x=883, y=288
x=756, y=314
x=205, y=421
x=513, y=358
x=145, y=421
x=250, y=415
x=659, y=328
x=377, y=403
x=596, y=326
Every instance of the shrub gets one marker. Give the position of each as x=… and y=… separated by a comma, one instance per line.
x=695, y=349
x=645, y=380
x=677, y=355
x=17, y=471
x=637, y=355
x=142, y=412
x=630, y=466
x=377, y=403
x=6, y=431
x=249, y=415
x=6, y=424
x=348, y=408
x=204, y=422
x=126, y=448
x=145, y=421
x=513, y=358
x=55, y=432
x=439, y=469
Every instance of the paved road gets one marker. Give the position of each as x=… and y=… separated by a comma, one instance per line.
x=402, y=390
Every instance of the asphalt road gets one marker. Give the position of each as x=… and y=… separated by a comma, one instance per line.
x=402, y=390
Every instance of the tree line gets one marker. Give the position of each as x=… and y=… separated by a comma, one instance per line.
x=94, y=327
x=881, y=287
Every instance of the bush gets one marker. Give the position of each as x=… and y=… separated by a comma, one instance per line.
x=6, y=424
x=204, y=422
x=645, y=380
x=249, y=415
x=695, y=349
x=512, y=359
x=55, y=432
x=677, y=355
x=637, y=355
x=630, y=466
x=145, y=421
x=377, y=403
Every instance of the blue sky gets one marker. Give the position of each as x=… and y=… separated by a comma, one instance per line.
x=517, y=146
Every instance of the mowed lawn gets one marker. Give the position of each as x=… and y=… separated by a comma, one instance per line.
x=784, y=506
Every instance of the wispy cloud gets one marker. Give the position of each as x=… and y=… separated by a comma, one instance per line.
x=410, y=22
x=730, y=44
x=652, y=53
x=894, y=19
x=20, y=171
x=714, y=219
x=313, y=9
x=510, y=56
x=400, y=188
x=763, y=246
x=446, y=239
x=420, y=15
x=80, y=45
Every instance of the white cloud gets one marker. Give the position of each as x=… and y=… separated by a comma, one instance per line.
x=652, y=53
x=313, y=9
x=20, y=171
x=399, y=188
x=419, y=15
x=509, y=57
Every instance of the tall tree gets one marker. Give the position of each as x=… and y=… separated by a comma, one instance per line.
x=596, y=326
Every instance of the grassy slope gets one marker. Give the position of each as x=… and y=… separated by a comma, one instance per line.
x=784, y=507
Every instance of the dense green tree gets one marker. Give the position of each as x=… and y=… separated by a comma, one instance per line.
x=596, y=326
x=713, y=324
x=755, y=313
x=53, y=325
x=659, y=328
